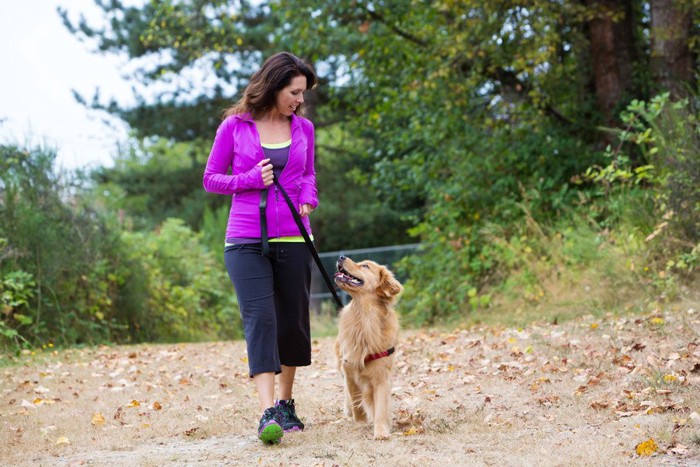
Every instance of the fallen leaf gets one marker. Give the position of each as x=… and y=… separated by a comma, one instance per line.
x=134, y=403
x=157, y=406
x=599, y=405
x=657, y=321
x=646, y=448
x=38, y=401
x=98, y=419
x=62, y=440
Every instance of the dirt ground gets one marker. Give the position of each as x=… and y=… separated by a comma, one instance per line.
x=594, y=391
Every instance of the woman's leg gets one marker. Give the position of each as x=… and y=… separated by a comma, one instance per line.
x=292, y=270
x=252, y=277
x=291, y=264
x=265, y=385
x=287, y=381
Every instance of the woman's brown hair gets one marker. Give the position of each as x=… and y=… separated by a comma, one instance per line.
x=274, y=75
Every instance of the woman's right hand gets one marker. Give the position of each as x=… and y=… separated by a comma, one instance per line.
x=266, y=172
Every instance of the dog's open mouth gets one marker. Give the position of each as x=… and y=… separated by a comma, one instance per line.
x=343, y=276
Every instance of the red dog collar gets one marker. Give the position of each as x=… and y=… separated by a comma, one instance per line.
x=378, y=355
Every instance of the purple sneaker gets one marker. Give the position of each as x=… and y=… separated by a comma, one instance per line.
x=287, y=416
x=269, y=430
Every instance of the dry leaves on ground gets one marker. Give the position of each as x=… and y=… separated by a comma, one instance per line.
x=613, y=390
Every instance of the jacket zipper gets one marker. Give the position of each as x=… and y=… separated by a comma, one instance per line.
x=277, y=210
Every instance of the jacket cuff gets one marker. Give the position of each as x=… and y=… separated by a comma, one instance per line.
x=308, y=195
x=253, y=178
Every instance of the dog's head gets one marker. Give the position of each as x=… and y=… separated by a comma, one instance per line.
x=366, y=277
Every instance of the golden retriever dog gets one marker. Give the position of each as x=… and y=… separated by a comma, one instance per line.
x=367, y=332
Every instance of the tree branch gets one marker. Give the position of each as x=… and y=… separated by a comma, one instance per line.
x=408, y=36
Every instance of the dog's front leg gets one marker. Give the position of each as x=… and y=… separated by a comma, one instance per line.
x=368, y=402
x=347, y=409
x=353, y=399
x=382, y=395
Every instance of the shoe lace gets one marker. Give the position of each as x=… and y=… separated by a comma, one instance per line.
x=267, y=416
x=287, y=412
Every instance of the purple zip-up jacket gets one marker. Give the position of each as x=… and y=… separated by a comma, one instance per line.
x=237, y=150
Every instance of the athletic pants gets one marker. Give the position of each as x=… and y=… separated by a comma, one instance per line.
x=273, y=296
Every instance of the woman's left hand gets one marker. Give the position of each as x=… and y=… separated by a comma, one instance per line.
x=305, y=210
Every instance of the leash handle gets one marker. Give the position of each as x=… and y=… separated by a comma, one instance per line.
x=310, y=244
x=263, y=223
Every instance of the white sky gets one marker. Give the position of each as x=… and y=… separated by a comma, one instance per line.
x=41, y=62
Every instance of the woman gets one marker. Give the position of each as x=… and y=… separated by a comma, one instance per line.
x=263, y=139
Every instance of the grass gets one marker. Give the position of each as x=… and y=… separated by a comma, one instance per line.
x=576, y=268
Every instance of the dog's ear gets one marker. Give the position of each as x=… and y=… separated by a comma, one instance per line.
x=388, y=285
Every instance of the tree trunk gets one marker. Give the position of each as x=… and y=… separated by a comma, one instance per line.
x=671, y=58
x=612, y=53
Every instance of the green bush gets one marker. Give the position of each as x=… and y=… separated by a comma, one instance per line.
x=492, y=179
x=62, y=244
x=178, y=291
x=668, y=133
x=627, y=220
x=70, y=273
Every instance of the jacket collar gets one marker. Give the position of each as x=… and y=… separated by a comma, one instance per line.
x=246, y=117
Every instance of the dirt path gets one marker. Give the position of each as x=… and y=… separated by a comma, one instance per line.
x=587, y=392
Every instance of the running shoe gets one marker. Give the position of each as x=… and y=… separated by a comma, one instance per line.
x=287, y=416
x=269, y=430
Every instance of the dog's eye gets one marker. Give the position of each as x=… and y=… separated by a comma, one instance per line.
x=366, y=266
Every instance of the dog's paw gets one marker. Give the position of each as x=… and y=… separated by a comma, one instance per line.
x=381, y=435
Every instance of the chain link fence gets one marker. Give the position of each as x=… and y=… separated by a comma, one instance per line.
x=322, y=299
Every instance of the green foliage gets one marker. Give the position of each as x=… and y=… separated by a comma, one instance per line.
x=464, y=124
x=351, y=214
x=668, y=133
x=16, y=288
x=181, y=292
x=485, y=185
x=213, y=228
x=61, y=244
x=154, y=180
x=70, y=275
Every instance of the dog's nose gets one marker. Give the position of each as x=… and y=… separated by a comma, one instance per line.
x=341, y=258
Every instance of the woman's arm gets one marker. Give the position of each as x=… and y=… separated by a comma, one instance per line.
x=309, y=192
x=216, y=176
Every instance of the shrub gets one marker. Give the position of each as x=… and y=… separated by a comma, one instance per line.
x=70, y=274
x=64, y=246
x=177, y=291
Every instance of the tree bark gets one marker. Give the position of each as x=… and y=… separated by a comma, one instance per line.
x=612, y=53
x=671, y=58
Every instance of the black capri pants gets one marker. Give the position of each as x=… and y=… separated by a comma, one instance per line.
x=273, y=296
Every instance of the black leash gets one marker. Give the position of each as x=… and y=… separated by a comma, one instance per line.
x=309, y=243
x=263, y=223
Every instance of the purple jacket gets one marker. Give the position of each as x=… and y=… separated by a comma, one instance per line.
x=237, y=149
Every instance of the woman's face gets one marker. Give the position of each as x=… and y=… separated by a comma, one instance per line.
x=292, y=96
